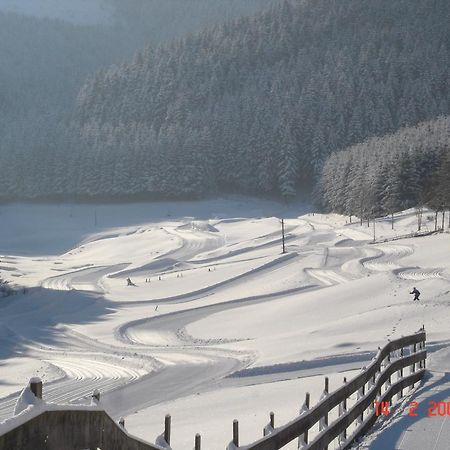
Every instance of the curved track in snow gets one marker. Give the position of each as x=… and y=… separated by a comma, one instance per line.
x=88, y=279
x=417, y=273
x=154, y=352
x=82, y=377
x=86, y=365
x=148, y=331
x=387, y=258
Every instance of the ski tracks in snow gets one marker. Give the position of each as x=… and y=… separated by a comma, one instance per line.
x=162, y=345
x=387, y=261
x=381, y=258
x=327, y=277
x=418, y=274
x=82, y=377
x=87, y=279
x=85, y=365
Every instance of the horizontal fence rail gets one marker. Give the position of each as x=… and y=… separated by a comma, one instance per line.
x=373, y=384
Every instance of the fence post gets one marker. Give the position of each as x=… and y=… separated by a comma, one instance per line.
x=378, y=372
x=269, y=428
x=303, y=439
x=400, y=394
x=198, y=442
x=167, y=424
x=36, y=387
x=343, y=410
x=374, y=378
x=236, y=433
x=424, y=344
x=420, y=349
x=325, y=417
x=363, y=391
x=370, y=385
x=307, y=400
x=96, y=396
x=413, y=367
x=344, y=403
x=390, y=377
x=326, y=391
x=389, y=362
x=422, y=361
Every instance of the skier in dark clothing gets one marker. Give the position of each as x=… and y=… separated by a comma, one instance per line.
x=416, y=294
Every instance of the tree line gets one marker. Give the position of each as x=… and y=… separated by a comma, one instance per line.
x=256, y=105
x=381, y=176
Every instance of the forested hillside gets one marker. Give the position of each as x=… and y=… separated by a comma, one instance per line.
x=44, y=63
x=258, y=104
x=385, y=175
x=255, y=105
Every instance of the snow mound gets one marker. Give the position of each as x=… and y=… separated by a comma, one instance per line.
x=26, y=399
x=199, y=226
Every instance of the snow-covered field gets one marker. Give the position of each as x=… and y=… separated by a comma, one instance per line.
x=219, y=324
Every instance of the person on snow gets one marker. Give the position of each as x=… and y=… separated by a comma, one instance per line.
x=416, y=294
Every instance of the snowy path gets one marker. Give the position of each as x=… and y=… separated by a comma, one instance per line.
x=170, y=328
x=424, y=424
x=172, y=382
x=424, y=431
x=84, y=279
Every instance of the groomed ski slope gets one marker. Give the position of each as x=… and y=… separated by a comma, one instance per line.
x=219, y=325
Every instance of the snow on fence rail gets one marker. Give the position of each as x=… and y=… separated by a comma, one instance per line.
x=38, y=425
x=374, y=384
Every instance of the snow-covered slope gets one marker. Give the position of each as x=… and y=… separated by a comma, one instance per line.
x=217, y=323
x=83, y=12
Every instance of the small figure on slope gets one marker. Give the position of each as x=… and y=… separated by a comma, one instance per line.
x=416, y=294
x=129, y=282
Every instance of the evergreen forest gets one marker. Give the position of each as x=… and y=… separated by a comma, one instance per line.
x=295, y=98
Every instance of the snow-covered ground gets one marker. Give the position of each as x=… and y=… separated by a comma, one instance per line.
x=218, y=324
x=82, y=12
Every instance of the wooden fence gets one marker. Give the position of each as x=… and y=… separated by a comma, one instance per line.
x=67, y=428
x=71, y=429
x=374, y=384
